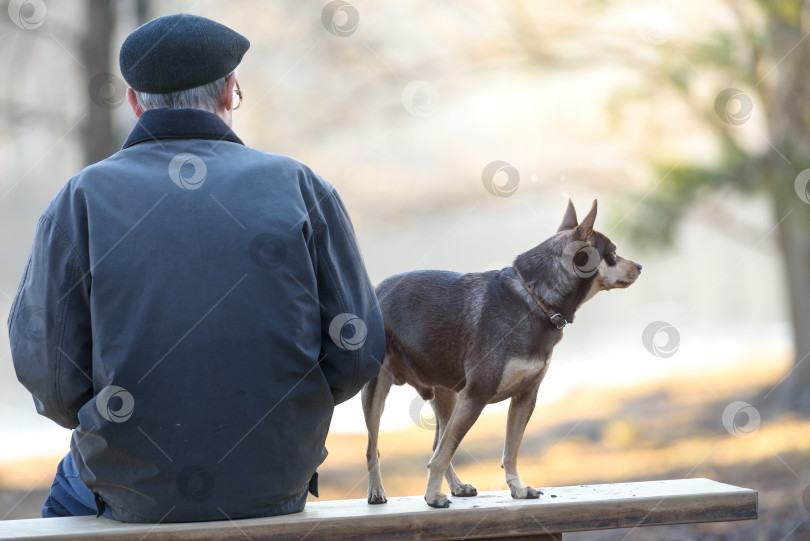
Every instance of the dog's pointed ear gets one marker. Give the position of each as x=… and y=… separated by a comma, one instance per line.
x=569, y=221
x=584, y=230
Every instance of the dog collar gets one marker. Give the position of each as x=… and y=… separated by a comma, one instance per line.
x=556, y=318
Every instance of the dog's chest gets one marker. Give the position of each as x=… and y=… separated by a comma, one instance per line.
x=519, y=374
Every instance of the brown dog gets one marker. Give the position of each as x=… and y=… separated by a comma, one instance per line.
x=467, y=340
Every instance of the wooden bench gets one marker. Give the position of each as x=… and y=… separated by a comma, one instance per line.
x=489, y=515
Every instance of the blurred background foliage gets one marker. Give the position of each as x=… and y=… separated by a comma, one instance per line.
x=762, y=57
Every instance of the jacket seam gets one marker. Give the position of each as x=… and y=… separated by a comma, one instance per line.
x=62, y=233
x=59, y=349
x=355, y=354
x=75, y=269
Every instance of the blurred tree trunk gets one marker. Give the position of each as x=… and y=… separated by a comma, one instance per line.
x=795, y=245
x=96, y=54
x=787, y=102
x=142, y=12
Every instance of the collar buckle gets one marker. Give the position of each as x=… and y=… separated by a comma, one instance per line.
x=558, y=320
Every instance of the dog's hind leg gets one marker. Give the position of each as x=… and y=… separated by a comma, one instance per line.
x=443, y=404
x=520, y=410
x=373, y=397
x=464, y=415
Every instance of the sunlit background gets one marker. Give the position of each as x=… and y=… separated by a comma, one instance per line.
x=688, y=121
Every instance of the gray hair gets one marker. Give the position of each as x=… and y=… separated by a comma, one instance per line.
x=207, y=97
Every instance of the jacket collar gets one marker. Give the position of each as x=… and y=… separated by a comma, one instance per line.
x=156, y=124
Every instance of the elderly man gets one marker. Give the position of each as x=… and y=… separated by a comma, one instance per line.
x=192, y=308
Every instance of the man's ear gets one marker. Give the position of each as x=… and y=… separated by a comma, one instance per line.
x=133, y=102
x=569, y=221
x=227, y=92
x=584, y=230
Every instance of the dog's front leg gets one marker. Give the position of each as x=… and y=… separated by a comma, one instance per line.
x=520, y=410
x=464, y=415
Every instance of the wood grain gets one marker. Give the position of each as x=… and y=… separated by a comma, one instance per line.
x=489, y=515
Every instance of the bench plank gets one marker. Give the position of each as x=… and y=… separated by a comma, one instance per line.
x=490, y=514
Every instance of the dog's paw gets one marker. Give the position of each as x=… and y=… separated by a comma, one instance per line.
x=439, y=501
x=524, y=493
x=464, y=491
x=377, y=496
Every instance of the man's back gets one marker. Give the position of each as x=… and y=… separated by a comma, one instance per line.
x=194, y=280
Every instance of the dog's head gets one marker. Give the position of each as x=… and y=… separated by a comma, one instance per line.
x=577, y=262
x=590, y=253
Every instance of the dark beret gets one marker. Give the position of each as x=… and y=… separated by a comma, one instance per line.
x=177, y=52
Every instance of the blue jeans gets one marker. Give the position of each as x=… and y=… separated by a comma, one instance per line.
x=69, y=496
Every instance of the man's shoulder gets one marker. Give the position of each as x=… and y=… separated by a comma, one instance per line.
x=116, y=174
x=280, y=160
x=308, y=179
x=128, y=161
x=268, y=158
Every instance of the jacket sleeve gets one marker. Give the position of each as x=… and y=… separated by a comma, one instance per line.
x=49, y=326
x=352, y=334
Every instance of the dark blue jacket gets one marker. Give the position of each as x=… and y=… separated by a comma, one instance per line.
x=194, y=309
